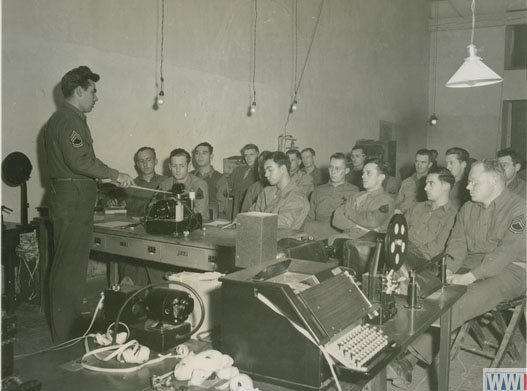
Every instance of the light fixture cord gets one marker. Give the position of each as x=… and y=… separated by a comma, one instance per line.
x=295, y=59
x=162, y=42
x=310, y=46
x=435, y=62
x=473, y=8
x=299, y=83
x=254, y=49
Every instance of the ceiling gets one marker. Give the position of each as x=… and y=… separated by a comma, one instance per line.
x=461, y=8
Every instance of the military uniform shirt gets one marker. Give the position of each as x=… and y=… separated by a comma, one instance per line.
x=364, y=210
x=137, y=200
x=326, y=198
x=69, y=147
x=290, y=204
x=317, y=175
x=239, y=181
x=303, y=181
x=251, y=196
x=355, y=178
x=494, y=236
x=195, y=184
x=517, y=186
x=218, y=188
x=407, y=196
x=428, y=229
x=459, y=194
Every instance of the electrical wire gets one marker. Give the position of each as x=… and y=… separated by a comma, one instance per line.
x=162, y=79
x=254, y=49
x=71, y=342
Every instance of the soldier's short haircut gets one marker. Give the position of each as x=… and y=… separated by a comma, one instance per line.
x=280, y=158
x=204, y=144
x=443, y=174
x=311, y=150
x=144, y=149
x=249, y=146
x=357, y=147
x=425, y=152
x=382, y=167
x=515, y=156
x=180, y=152
x=294, y=152
x=76, y=77
x=338, y=155
x=493, y=167
x=461, y=154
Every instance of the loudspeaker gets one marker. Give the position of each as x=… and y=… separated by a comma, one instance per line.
x=256, y=236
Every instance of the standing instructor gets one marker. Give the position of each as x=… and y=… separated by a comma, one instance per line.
x=73, y=168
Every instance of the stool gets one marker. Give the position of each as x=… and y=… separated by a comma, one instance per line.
x=506, y=331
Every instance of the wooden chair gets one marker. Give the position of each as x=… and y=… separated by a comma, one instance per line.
x=504, y=329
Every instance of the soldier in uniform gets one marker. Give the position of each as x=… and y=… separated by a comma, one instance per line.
x=136, y=200
x=412, y=188
x=430, y=222
x=486, y=252
x=328, y=197
x=178, y=164
x=244, y=176
x=283, y=197
x=256, y=188
x=511, y=163
x=73, y=168
x=303, y=180
x=217, y=182
x=368, y=210
x=457, y=162
x=357, y=158
x=308, y=161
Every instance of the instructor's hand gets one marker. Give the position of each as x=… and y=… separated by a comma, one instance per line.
x=124, y=180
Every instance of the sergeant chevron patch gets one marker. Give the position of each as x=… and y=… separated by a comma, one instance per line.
x=76, y=139
x=517, y=224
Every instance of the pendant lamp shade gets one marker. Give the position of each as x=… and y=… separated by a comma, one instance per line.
x=473, y=72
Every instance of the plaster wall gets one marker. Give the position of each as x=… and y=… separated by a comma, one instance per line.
x=368, y=62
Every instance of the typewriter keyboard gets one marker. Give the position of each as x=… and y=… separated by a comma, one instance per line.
x=358, y=348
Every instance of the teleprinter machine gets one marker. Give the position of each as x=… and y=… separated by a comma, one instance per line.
x=278, y=316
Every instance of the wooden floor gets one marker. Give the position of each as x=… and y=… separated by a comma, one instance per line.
x=56, y=370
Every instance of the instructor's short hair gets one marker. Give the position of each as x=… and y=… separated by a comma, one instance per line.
x=77, y=77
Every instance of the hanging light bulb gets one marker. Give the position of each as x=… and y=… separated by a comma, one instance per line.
x=473, y=73
x=253, y=107
x=293, y=106
x=161, y=98
x=433, y=120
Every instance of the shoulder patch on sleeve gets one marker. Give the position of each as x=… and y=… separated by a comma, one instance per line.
x=517, y=224
x=76, y=139
x=199, y=194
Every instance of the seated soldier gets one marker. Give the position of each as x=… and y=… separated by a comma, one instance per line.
x=511, y=163
x=328, y=197
x=357, y=158
x=303, y=181
x=457, y=162
x=412, y=187
x=216, y=182
x=136, y=200
x=257, y=187
x=243, y=176
x=430, y=222
x=178, y=165
x=485, y=252
x=308, y=161
x=283, y=197
x=368, y=210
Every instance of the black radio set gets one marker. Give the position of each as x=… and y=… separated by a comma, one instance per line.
x=172, y=215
